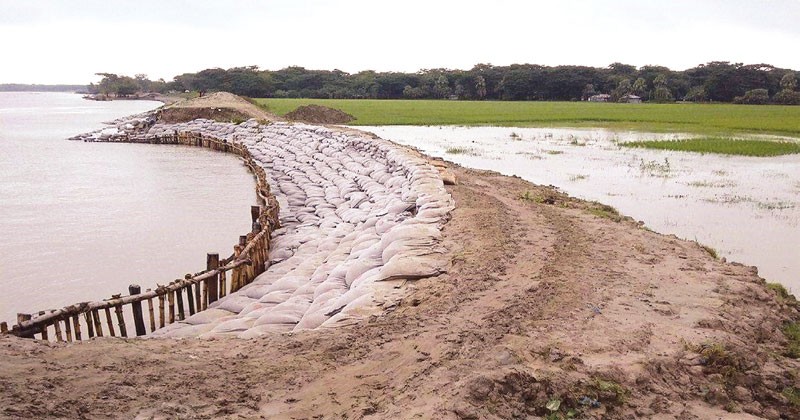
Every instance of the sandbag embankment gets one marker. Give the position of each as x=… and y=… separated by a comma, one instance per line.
x=358, y=216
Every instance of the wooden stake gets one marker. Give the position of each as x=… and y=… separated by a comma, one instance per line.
x=123, y=332
x=161, y=311
x=212, y=263
x=77, y=324
x=223, y=286
x=110, y=323
x=68, y=330
x=152, y=316
x=136, y=308
x=179, y=298
x=98, y=327
x=3, y=327
x=57, y=326
x=171, y=298
x=89, y=326
x=190, y=299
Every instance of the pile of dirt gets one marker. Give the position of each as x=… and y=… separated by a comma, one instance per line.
x=318, y=114
x=218, y=106
x=552, y=306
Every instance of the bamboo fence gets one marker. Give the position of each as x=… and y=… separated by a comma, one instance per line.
x=179, y=299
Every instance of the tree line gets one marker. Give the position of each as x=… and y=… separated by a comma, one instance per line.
x=717, y=81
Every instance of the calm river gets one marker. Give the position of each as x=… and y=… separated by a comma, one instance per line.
x=81, y=221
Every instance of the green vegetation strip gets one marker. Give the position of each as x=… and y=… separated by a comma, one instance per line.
x=706, y=119
x=728, y=146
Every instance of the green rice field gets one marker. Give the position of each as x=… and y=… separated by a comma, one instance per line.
x=723, y=145
x=707, y=119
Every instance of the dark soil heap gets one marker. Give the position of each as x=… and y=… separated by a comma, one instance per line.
x=318, y=114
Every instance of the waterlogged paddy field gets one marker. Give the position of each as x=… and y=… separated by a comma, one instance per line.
x=709, y=119
x=747, y=208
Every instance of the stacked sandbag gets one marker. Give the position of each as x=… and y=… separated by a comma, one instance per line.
x=357, y=215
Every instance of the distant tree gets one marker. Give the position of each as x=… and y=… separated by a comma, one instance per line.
x=788, y=81
x=661, y=92
x=640, y=87
x=480, y=87
x=787, y=97
x=753, y=97
x=622, y=90
x=588, y=91
x=696, y=94
x=442, y=87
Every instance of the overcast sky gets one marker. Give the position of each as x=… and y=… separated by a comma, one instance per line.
x=57, y=41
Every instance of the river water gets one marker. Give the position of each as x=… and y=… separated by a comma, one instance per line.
x=81, y=221
x=747, y=208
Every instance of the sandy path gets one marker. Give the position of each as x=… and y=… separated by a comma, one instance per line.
x=544, y=300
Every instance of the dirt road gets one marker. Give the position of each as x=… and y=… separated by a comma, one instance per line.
x=551, y=306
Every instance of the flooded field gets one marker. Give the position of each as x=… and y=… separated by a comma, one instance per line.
x=746, y=208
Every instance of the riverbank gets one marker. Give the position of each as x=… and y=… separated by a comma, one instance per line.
x=548, y=302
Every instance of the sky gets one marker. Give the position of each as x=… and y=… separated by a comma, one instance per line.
x=56, y=41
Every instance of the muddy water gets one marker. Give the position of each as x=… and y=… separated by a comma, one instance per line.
x=747, y=208
x=81, y=221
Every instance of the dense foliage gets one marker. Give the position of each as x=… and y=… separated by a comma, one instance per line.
x=715, y=81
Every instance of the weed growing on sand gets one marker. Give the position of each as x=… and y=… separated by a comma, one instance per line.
x=712, y=184
x=515, y=136
x=792, y=395
x=527, y=196
x=610, y=392
x=578, y=177
x=237, y=120
x=655, y=168
x=711, y=251
x=553, y=152
x=605, y=211
x=792, y=332
x=723, y=145
x=781, y=293
x=461, y=151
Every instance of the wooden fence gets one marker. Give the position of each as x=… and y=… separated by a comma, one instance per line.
x=180, y=298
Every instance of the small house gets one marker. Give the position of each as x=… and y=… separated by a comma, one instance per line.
x=603, y=97
x=632, y=99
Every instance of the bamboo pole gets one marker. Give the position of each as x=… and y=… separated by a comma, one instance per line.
x=109, y=322
x=152, y=316
x=136, y=308
x=179, y=297
x=171, y=299
x=161, y=311
x=123, y=332
x=57, y=326
x=77, y=324
x=97, y=326
x=212, y=284
x=190, y=299
x=68, y=330
x=223, y=286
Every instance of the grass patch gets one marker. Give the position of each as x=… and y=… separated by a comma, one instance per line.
x=792, y=332
x=792, y=395
x=710, y=251
x=781, y=293
x=708, y=119
x=605, y=211
x=461, y=151
x=722, y=145
x=554, y=152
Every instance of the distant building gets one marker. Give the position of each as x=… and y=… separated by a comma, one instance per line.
x=603, y=97
x=632, y=99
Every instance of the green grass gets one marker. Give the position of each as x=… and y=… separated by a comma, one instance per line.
x=707, y=119
x=723, y=145
x=792, y=332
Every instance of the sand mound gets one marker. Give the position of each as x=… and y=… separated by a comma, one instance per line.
x=219, y=106
x=318, y=114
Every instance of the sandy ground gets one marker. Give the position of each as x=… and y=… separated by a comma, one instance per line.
x=546, y=300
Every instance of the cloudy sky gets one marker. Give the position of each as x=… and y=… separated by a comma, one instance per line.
x=56, y=41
